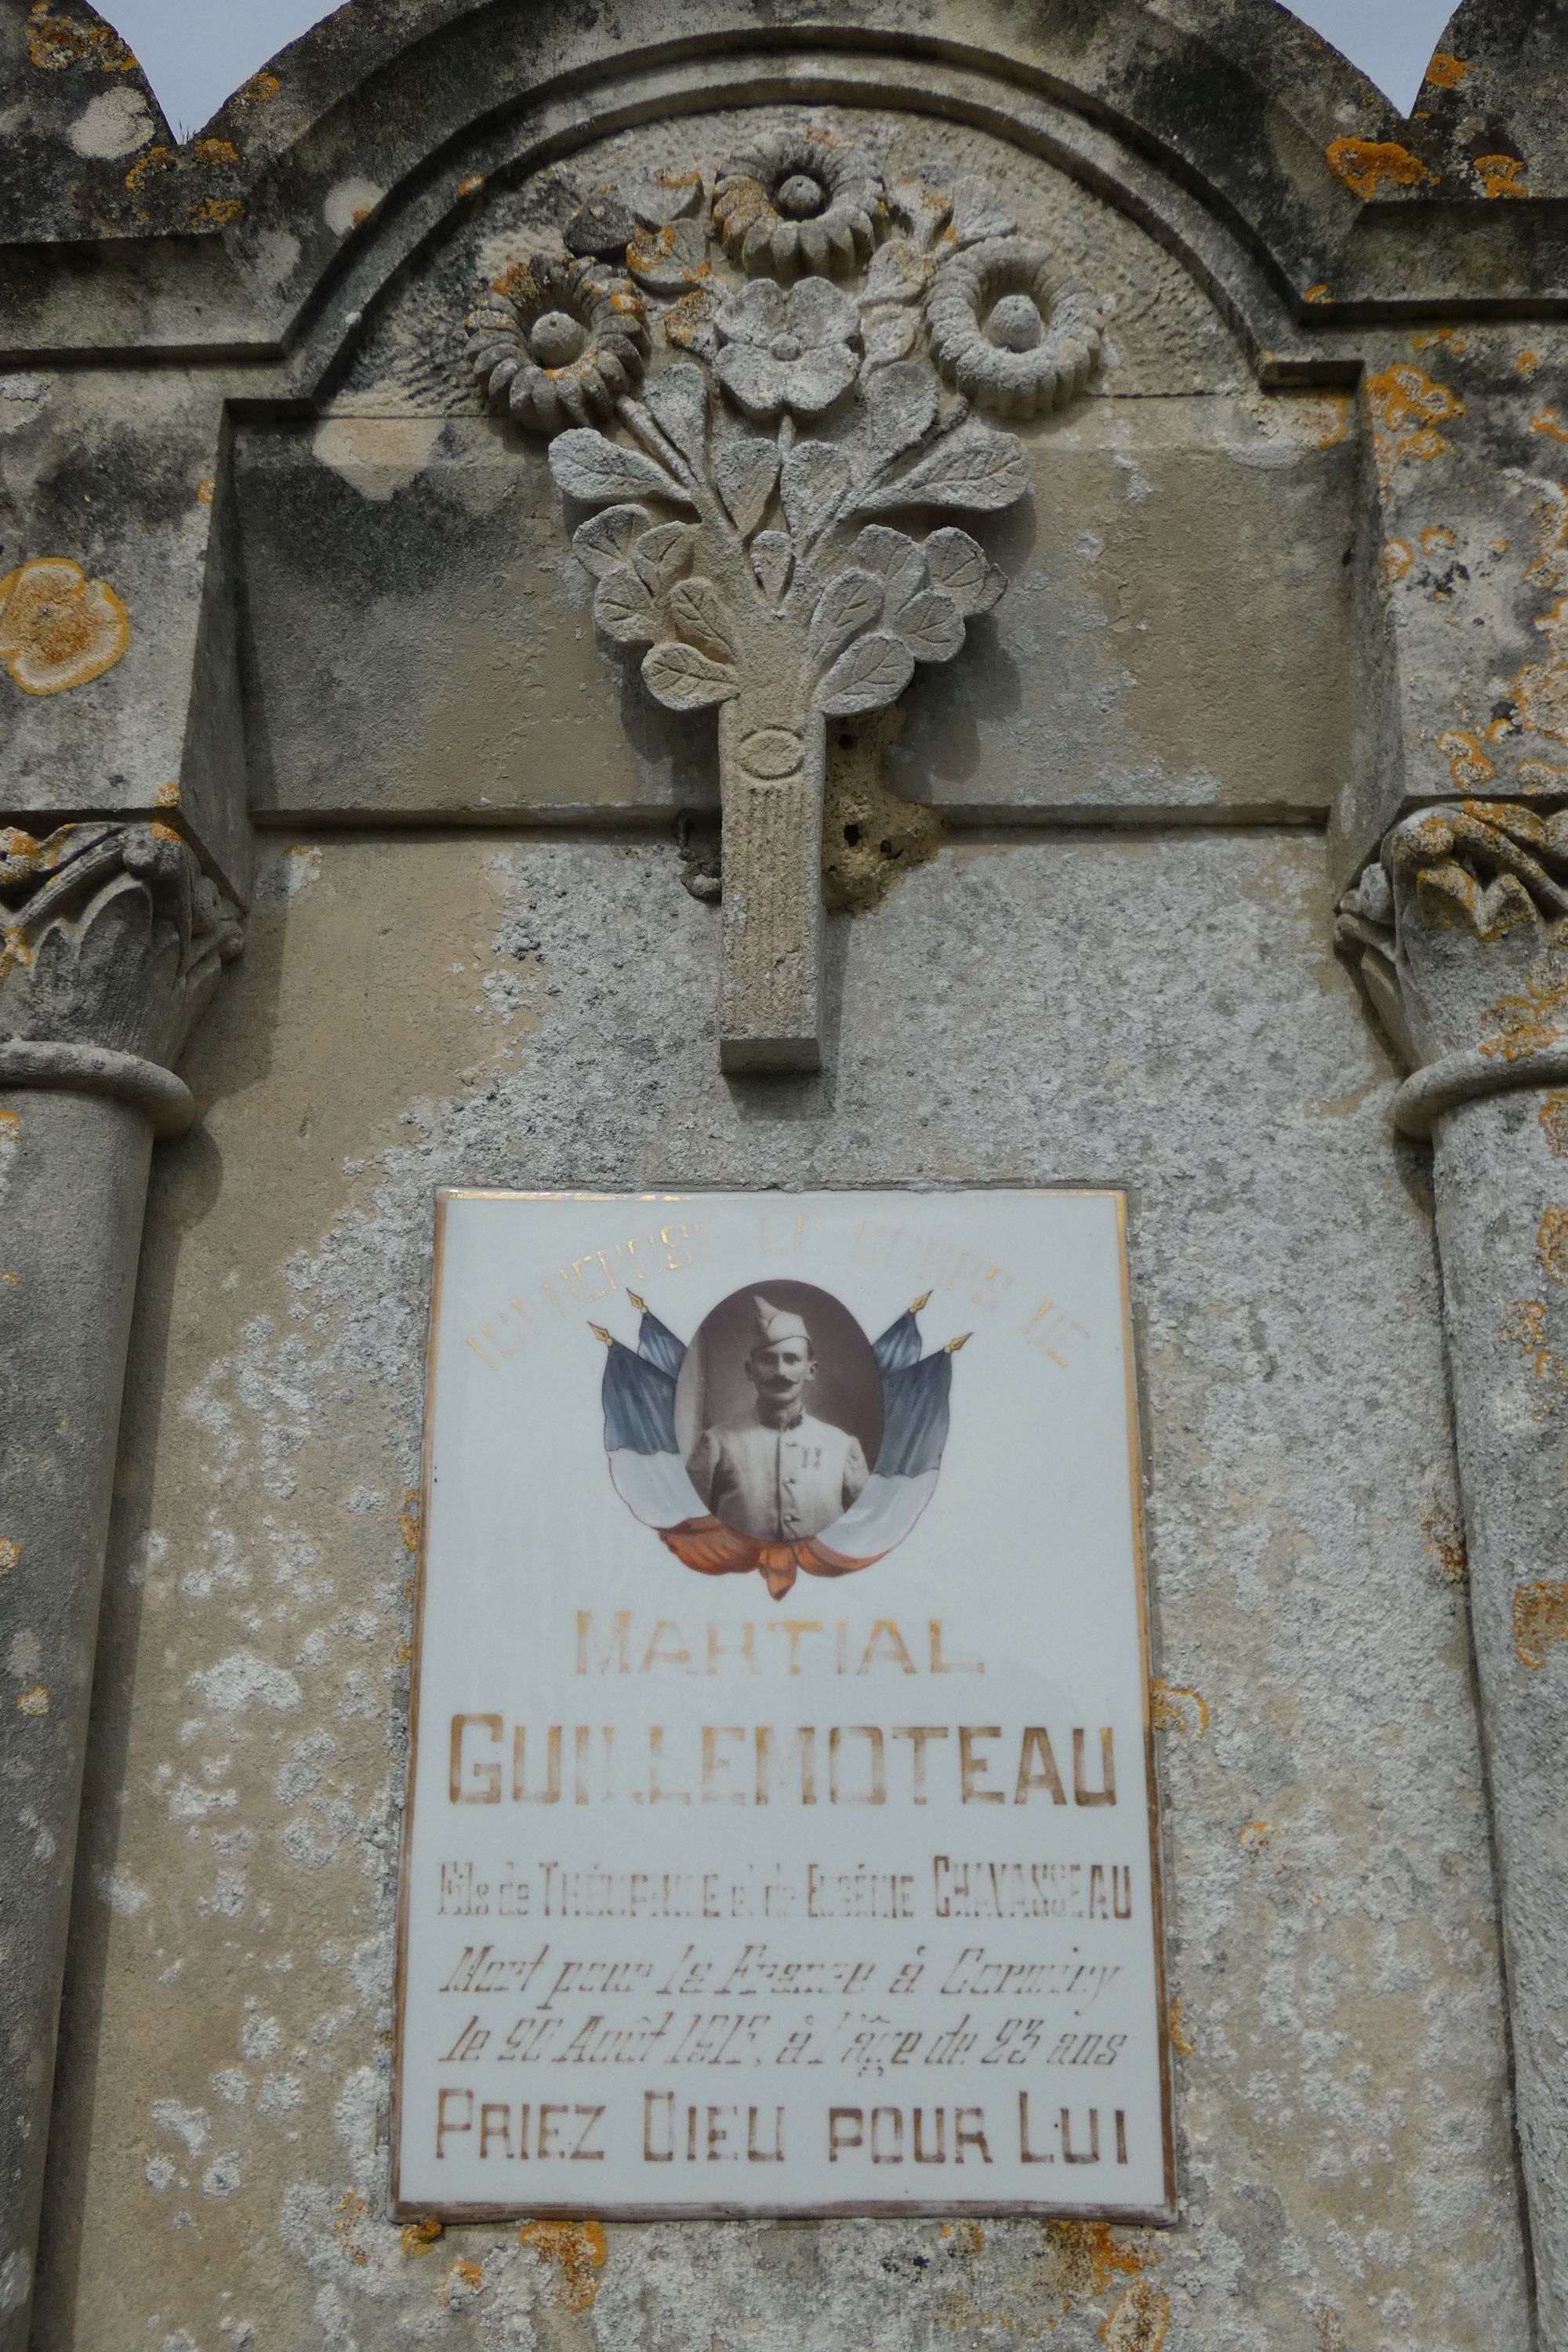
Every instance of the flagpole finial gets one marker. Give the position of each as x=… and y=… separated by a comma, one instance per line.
x=637, y=1302
x=600, y=1333
x=961, y=1341
x=923, y=1300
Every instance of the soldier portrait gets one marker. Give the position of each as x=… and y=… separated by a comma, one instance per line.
x=783, y=1412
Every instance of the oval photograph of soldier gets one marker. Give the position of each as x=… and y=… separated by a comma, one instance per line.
x=778, y=1410
x=780, y=1438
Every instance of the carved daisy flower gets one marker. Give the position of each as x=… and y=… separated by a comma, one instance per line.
x=786, y=349
x=796, y=201
x=559, y=341
x=1011, y=327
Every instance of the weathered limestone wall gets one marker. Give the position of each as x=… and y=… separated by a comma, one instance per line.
x=1163, y=1011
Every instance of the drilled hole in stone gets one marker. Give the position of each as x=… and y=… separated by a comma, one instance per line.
x=888, y=851
x=852, y=835
x=846, y=743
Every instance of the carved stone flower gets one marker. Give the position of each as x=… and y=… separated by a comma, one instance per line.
x=786, y=348
x=1012, y=328
x=797, y=201
x=559, y=341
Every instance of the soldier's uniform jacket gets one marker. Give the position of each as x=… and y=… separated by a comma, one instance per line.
x=778, y=1485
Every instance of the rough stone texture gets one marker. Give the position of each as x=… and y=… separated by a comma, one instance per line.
x=538, y=1012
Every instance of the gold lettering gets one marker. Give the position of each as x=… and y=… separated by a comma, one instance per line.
x=886, y=1632
x=487, y=1791
x=714, y=1765
x=918, y=1734
x=940, y=1665
x=614, y=1657
x=871, y=1734
x=1106, y=1794
x=1037, y=1768
x=970, y=1765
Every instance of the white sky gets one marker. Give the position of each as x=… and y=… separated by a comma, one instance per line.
x=193, y=52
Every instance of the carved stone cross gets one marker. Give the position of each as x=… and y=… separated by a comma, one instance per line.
x=749, y=525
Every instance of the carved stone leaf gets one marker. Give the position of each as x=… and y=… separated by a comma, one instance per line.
x=606, y=539
x=901, y=408
x=589, y=467
x=684, y=679
x=697, y=610
x=888, y=335
x=978, y=211
x=624, y=609
x=959, y=566
x=931, y=624
x=893, y=556
x=814, y=476
x=677, y=400
x=772, y=556
x=851, y=603
x=744, y=471
x=872, y=673
x=897, y=274
x=661, y=556
x=974, y=467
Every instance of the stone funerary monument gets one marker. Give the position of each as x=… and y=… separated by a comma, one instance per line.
x=784, y=1184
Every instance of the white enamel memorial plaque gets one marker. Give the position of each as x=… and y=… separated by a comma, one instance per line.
x=781, y=1830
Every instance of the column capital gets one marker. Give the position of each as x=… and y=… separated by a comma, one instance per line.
x=111, y=939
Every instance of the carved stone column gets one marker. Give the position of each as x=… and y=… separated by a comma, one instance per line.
x=1461, y=936
x=110, y=941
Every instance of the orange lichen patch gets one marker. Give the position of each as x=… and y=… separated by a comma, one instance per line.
x=1468, y=763
x=460, y=2283
x=1448, y=71
x=349, y=2213
x=1547, y=421
x=55, y=42
x=35, y=1701
x=1090, y=2260
x=1333, y=419
x=205, y=489
x=409, y=1520
x=257, y=90
x=1181, y=2040
x=417, y=2237
x=1527, y=362
x=1524, y=1326
x=1257, y=1839
x=7, y=1275
x=1176, y=1708
x=1552, y=1244
x=215, y=212
x=473, y=186
x=1331, y=2331
x=1446, y=1542
x=10, y=1127
x=1540, y=1618
x=1541, y=776
x=1406, y=408
x=1539, y=690
x=168, y=796
x=1553, y=1117
x=1139, y=2320
x=1498, y=175
x=146, y=167
x=1437, y=539
x=58, y=627
x=216, y=152
x=1318, y=293
x=579, y=2247
x=1394, y=561
x=10, y=1549
x=970, y=2234
x=1364, y=164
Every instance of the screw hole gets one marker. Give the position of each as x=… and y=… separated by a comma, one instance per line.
x=852, y=835
x=845, y=743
